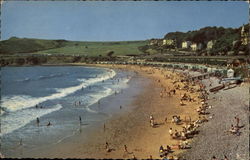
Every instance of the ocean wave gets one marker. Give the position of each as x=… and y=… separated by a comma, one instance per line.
x=50, y=76
x=16, y=120
x=95, y=97
x=23, y=80
x=15, y=103
x=42, y=77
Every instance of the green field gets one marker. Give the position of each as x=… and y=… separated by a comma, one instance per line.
x=16, y=45
x=24, y=46
x=97, y=48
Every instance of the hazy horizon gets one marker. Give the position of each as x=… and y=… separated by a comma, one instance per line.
x=115, y=21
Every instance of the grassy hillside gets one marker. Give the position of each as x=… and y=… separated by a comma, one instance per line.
x=97, y=48
x=57, y=47
x=26, y=45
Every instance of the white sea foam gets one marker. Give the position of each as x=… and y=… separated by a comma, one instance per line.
x=23, y=80
x=15, y=120
x=15, y=103
x=94, y=98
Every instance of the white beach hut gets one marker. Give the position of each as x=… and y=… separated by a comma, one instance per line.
x=230, y=73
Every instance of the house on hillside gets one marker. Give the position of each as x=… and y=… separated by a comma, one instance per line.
x=168, y=42
x=244, y=35
x=194, y=46
x=186, y=44
x=210, y=44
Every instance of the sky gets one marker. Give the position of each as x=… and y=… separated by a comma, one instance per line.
x=115, y=21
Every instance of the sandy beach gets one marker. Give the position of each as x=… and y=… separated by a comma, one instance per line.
x=132, y=127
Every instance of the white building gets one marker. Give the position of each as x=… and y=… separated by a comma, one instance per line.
x=168, y=42
x=194, y=46
x=230, y=73
x=210, y=45
x=186, y=44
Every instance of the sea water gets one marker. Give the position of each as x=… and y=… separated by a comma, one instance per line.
x=59, y=95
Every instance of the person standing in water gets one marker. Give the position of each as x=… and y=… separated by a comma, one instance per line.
x=49, y=124
x=37, y=121
x=80, y=120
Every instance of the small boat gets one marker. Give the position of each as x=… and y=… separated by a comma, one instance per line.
x=217, y=88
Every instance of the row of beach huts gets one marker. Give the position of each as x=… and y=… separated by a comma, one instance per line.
x=219, y=71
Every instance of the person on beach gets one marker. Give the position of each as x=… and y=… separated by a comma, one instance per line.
x=104, y=127
x=237, y=121
x=166, y=120
x=152, y=123
x=133, y=156
x=36, y=106
x=107, y=147
x=120, y=107
x=161, y=150
x=49, y=124
x=168, y=148
x=176, y=134
x=151, y=120
x=151, y=117
x=182, y=103
x=150, y=157
x=80, y=120
x=234, y=130
x=161, y=95
x=37, y=121
x=170, y=132
x=125, y=149
x=183, y=135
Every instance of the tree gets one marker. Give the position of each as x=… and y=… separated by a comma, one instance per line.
x=110, y=53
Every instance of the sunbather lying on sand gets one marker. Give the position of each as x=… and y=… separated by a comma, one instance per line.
x=182, y=145
x=176, y=119
x=182, y=103
x=164, y=152
x=234, y=130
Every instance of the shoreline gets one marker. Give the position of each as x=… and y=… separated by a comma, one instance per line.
x=132, y=128
x=156, y=74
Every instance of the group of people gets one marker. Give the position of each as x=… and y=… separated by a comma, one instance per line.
x=235, y=129
x=164, y=151
x=191, y=128
x=187, y=132
x=152, y=121
x=39, y=106
x=38, y=122
x=176, y=119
